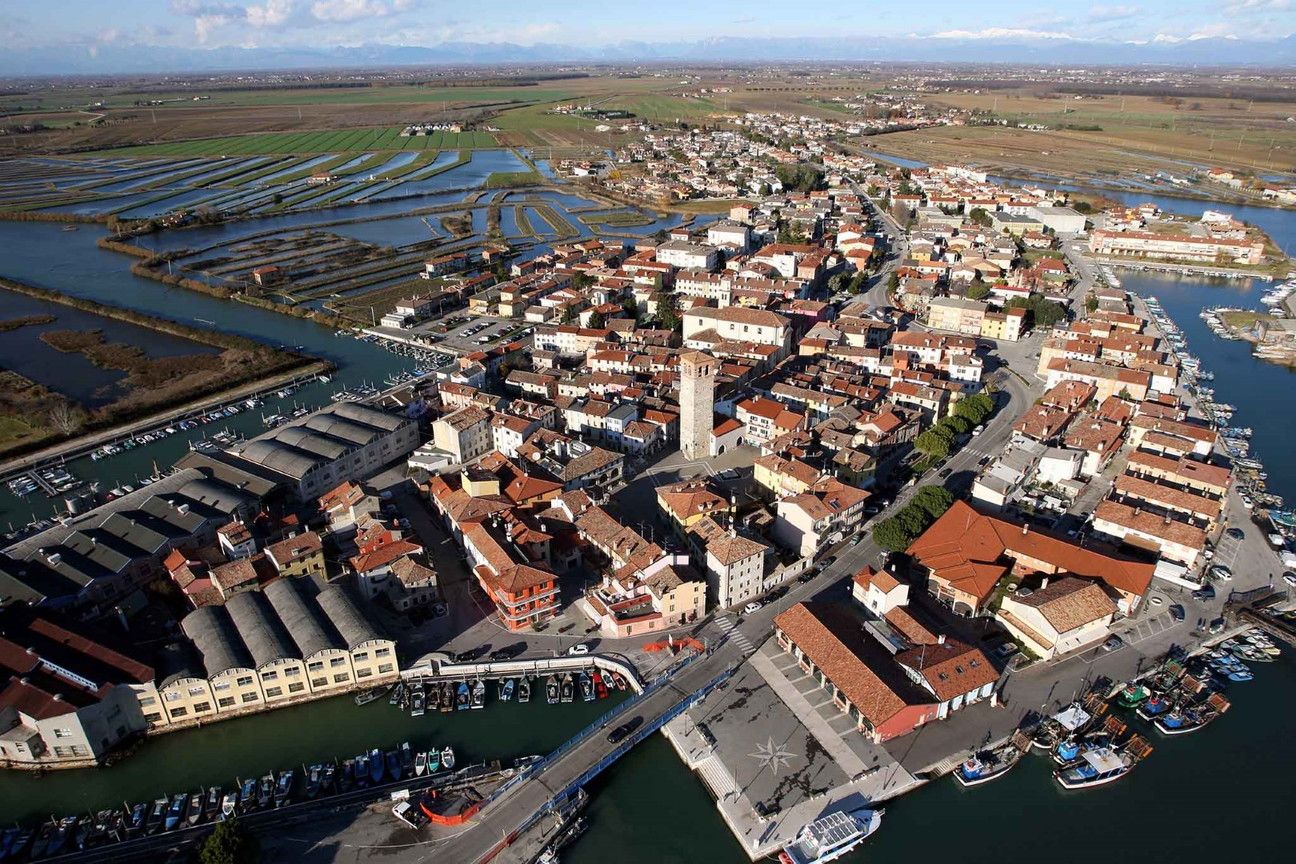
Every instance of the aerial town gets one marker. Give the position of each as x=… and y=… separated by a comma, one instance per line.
x=856, y=478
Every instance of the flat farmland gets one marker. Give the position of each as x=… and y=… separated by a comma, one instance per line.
x=298, y=143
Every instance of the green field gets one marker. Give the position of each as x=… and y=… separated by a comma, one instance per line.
x=305, y=143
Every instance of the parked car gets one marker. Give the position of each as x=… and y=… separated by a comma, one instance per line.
x=1289, y=577
x=1177, y=612
x=1206, y=592
x=623, y=731
x=807, y=576
x=827, y=562
x=579, y=648
x=728, y=474
x=508, y=652
x=977, y=431
x=776, y=594
x=751, y=607
x=945, y=472
x=1236, y=533
x=1220, y=573
x=1113, y=642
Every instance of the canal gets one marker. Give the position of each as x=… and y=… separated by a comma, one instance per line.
x=288, y=738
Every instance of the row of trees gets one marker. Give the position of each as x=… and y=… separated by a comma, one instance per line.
x=929, y=504
x=969, y=413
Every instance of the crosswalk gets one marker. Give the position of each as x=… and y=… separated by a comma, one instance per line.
x=731, y=632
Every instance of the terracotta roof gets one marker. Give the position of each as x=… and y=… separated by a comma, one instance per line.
x=971, y=550
x=384, y=555
x=829, y=639
x=1069, y=603
x=950, y=668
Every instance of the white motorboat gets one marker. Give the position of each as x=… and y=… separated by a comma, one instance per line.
x=831, y=837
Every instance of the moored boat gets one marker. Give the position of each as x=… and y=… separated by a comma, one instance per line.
x=229, y=806
x=406, y=759
x=506, y=690
x=370, y=695
x=463, y=696
x=600, y=688
x=478, y=694
x=524, y=689
x=247, y=795
x=433, y=760
x=265, y=792
x=830, y=837
x=1133, y=695
x=283, y=787
x=420, y=763
x=1096, y=766
x=314, y=779
x=447, y=697
x=137, y=820
x=375, y=765
x=448, y=758
x=566, y=688
x=194, y=812
x=176, y=811
x=586, y=686
x=551, y=690
x=416, y=700
x=393, y=765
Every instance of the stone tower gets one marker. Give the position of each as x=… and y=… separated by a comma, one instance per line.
x=697, y=403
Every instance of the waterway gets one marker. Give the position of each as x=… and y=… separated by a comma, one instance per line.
x=288, y=738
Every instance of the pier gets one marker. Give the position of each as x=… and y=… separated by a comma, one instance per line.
x=1187, y=269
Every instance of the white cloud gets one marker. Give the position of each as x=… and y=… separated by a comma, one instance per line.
x=273, y=14
x=1242, y=7
x=349, y=10
x=1003, y=33
x=1112, y=13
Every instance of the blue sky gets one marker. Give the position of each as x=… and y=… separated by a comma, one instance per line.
x=87, y=25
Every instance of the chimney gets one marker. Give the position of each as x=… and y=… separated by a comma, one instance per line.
x=1043, y=584
x=1025, y=529
x=940, y=640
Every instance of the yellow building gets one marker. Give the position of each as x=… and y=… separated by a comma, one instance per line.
x=302, y=555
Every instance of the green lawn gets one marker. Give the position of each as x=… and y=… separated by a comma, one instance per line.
x=304, y=143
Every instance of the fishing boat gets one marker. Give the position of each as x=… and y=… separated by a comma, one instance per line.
x=566, y=689
x=248, y=795
x=1061, y=725
x=586, y=686
x=328, y=780
x=433, y=697
x=265, y=791
x=406, y=759
x=448, y=758
x=478, y=694
x=986, y=766
x=176, y=811
x=314, y=778
x=370, y=695
x=830, y=837
x=618, y=680
x=447, y=697
x=137, y=819
x=420, y=764
x=194, y=813
x=600, y=689
x=396, y=693
x=212, y=805
x=283, y=788
x=463, y=696
x=362, y=770
x=1133, y=695
x=433, y=760
x=416, y=701
x=506, y=690
x=1156, y=705
x=393, y=765
x=524, y=689
x=351, y=771
x=375, y=765
x=551, y=690
x=229, y=806
x=156, y=816
x=1066, y=751
x=1096, y=766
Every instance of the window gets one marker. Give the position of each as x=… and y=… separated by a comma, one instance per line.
x=319, y=682
x=197, y=691
x=292, y=671
x=62, y=733
x=360, y=657
x=179, y=712
x=249, y=697
x=171, y=696
x=336, y=662
x=384, y=668
x=363, y=673
x=245, y=681
x=272, y=692
x=201, y=707
x=147, y=701
x=269, y=676
x=225, y=702
x=338, y=679
x=317, y=666
x=63, y=752
x=296, y=688
x=221, y=687
x=383, y=652
x=152, y=718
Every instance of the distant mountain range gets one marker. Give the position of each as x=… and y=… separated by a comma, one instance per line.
x=111, y=59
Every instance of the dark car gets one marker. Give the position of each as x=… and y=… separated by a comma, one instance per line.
x=945, y=472
x=619, y=734
x=776, y=594
x=1113, y=642
x=508, y=652
x=807, y=576
x=1235, y=533
x=1206, y=592
x=471, y=654
x=827, y=562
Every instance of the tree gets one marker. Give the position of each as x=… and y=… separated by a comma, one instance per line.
x=229, y=843
x=913, y=520
x=933, y=443
x=970, y=411
x=1091, y=304
x=893, y=282
x=933, y=500
x=980, y=400
x=802, y=177
x=596, y=320
x=66, y=417
x=979, y=216
x=581, y=281
x=837, y=283
x=959, y=425
x=978, y=290
x=892, y=536
x=568, y=315
x=1082, y=207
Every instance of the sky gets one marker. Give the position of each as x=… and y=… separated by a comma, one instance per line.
x=90, y=25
